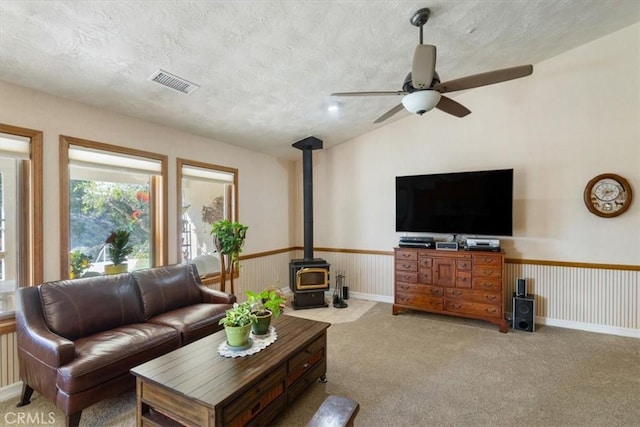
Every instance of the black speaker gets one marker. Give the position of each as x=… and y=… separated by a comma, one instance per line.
x=524, y=313
x=521, y=288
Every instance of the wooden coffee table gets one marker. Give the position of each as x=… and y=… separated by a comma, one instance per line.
x=195, y=386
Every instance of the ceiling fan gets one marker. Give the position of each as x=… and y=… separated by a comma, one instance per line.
x=422, y=89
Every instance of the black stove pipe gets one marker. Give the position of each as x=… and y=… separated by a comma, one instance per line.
x=307, y=145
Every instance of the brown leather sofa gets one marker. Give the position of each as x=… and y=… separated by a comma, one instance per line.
x=78, y=339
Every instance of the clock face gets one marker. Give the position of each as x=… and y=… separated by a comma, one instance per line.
x=607, y=195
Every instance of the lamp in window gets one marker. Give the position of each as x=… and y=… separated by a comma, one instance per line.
x=421, y=101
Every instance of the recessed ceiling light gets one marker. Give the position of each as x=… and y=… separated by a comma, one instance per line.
x=334, y=107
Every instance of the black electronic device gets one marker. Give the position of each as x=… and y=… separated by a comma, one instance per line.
x=416, y=242
x=477, y=203
x=521, y=288
x=524, y=313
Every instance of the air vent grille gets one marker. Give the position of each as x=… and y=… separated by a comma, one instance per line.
x=172, y=81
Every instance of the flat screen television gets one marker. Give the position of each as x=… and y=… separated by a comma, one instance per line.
x=476, y=203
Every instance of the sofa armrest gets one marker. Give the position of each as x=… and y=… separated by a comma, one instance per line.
x=34, y=337
x=213, y=296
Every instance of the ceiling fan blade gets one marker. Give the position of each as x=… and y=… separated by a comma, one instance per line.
x=424, y=64
x=389, y=113
x=452, y=107
x=379, y=93
x=484, y=79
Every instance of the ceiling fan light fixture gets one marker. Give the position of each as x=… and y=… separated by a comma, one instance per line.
x=421, y=101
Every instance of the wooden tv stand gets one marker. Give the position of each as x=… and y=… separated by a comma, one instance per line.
x=456, y=283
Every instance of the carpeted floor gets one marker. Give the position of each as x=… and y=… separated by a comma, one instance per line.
x=418, y=369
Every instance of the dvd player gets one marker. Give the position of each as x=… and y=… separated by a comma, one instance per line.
x=483, y=245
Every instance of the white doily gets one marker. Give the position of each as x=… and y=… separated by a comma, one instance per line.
x=258, y=343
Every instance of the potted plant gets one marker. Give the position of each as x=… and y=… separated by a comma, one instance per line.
x=237, y=324
x=79, y=263
x=118, y=248
x=228, y=237
x=264, y=305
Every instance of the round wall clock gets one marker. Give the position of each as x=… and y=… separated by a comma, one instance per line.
x=608, y=195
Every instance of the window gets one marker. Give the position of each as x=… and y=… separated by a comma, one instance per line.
x=208, y=194
x=20, y=214
x=107, y=188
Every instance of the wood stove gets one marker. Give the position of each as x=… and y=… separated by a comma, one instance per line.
x=308, y=277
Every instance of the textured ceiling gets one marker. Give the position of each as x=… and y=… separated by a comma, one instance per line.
x=266, y=68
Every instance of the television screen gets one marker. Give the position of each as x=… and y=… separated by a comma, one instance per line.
x=478, y=203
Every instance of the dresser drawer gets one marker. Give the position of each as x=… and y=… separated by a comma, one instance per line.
x=471, y=295
x=464, y=264
x=475, y=308
x=482, y=284
x=487, y=271
x=435, y=291
x=424, y=262
x=463, y=279
x=425, y=276
x=403, y=255
x=417, y=300
x=402, y=265
x=406, y=277
x=252, y=402
x=488, y=259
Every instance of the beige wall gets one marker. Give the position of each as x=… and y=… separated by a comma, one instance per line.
x=577, y=116
x=264, y=182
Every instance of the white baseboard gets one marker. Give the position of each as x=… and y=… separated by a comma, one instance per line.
x=589, y=327
x=11, y=391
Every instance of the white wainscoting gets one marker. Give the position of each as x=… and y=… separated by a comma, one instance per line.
x=591, y=299
x=8, y=359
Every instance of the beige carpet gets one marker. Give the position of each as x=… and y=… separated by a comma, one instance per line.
x=417, y=369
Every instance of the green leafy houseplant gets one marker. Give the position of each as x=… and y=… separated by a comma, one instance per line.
x=229, y=238
x=118, y=246
x=237, y=324
x=79, y=263
x=239, y=315
x=265, y=300
x=265, y=305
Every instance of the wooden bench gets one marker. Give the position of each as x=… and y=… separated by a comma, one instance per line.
x=335, y=411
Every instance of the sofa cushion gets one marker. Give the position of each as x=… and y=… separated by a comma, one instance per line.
x=166, y=288
x=82, y=307
x=109, y=354
x=193, y=322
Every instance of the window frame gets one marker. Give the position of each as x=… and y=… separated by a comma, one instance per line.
x=32, y=265
x=180, y=162
x=159, y=227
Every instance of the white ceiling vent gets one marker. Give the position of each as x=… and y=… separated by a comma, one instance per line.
x=173, y=82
